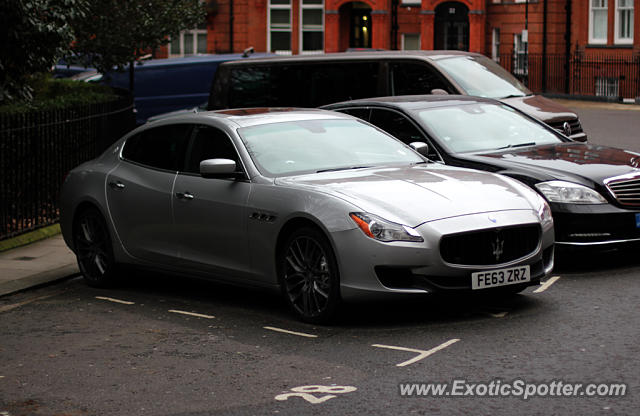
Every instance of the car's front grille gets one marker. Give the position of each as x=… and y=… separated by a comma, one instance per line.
x=575, y=125
x=626, y=189
x=493, y=246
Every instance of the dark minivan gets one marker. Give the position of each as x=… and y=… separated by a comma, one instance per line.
x=315, y=80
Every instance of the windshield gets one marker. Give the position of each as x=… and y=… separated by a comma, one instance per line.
x=483, y=126
x=479, y=76
x=294, y=147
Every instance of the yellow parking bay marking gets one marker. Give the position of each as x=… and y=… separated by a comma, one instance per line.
x=300, y=334
x=546, y=284
x=124, y=302
x=421, y=353
x=199, y=315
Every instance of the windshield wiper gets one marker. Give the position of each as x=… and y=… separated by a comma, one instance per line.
x=345, y=168
x=509, y=146
x=513, y=96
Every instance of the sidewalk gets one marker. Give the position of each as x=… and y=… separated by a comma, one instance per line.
x=36, y=264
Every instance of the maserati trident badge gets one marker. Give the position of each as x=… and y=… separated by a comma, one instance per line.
x=498, y=247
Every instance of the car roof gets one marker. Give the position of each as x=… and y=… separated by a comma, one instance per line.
x=363, y=55
x=414, y=102
x=246, y=117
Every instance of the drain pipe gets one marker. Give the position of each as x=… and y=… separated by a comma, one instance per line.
x=230, y=26
x=544, y=46
x=567, y=50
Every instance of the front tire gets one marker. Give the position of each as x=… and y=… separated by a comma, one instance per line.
x=309, y=275
x=93, y=248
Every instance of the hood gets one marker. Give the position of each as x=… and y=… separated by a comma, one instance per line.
x=541, y=108
x=414, y=195
x=566, y=161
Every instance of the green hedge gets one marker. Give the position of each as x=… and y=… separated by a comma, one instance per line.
x=52, y=94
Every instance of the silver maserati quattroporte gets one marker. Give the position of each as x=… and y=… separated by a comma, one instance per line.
x=317, y=204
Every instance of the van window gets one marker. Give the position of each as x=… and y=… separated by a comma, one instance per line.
x=412, y=79
x=161, y=147
x=264, y=86
x=301, y=85
x=333, y=82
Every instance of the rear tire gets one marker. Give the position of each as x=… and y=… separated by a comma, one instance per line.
x=309, y=275
x=93, y=248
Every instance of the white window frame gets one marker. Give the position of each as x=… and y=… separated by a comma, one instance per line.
x=598, y=41
x=310, y=28
x=495, y=44
x=280, y=28
x=617, y=38
x=520, y=55
x=414, y=34
x=180, y=53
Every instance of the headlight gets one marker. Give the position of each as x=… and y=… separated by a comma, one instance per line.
x=569, y=193
x=383, y=230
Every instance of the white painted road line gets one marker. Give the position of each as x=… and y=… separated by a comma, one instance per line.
x=199, y=315
x=546, y=284
x=124, y=302
x=421, y=353
x=497, y=314
x=300, y=334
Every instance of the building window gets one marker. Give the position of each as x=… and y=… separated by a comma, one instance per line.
x=598, y=15
x=411, y=2
x=520, y=61
x=624, y=21
x=279, y=31
x=495, y=44
x=312, y=26
x=189, y=42
x=607, y=87
x=411, y=41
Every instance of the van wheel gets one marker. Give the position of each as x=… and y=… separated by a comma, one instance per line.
x=93, y=248
x=309, y=275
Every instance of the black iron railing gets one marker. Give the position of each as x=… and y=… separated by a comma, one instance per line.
x=38, y=148
x=610, y=77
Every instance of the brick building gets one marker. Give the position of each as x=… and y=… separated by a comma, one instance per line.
x=558, y=33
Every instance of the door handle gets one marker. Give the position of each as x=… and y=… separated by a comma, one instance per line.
x=184, y=195
x=116, y=185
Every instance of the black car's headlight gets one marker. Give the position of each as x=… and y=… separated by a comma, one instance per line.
x=383, y=230
x=569, y=193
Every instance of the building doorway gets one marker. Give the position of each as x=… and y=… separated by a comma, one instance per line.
x=355, y=25
x=451, y=28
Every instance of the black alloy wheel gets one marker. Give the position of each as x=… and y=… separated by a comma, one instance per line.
x=93, y=248
x=309, y=275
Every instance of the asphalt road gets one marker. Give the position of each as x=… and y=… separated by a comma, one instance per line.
x=138, y=349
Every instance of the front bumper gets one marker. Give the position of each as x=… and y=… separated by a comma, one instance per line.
x=594, y=225
x=369, y=267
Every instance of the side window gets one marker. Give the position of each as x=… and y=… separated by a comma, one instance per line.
x=361, y=113
x=267, y=86
x=160, y=147
x=401, y=128
x=210, y=143
x=333, y=82
x=411, y=79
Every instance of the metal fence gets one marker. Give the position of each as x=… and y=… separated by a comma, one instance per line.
x=609, y=77
x=38, y=148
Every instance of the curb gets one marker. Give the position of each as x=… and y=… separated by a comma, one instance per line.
x=39, y=279
x=30, y=237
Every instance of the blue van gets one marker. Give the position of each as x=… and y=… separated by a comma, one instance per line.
x=165, y=85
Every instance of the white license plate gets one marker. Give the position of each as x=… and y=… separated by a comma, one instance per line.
x=500, y=277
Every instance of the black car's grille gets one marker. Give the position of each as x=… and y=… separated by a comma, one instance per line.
x=493, y=246
x=626, y=190
x=576, y=127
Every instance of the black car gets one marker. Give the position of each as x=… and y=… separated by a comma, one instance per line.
x=593, y=191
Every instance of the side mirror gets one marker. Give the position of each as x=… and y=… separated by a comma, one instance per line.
x=439, y=91
x=420, y=147
x=219, y=168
